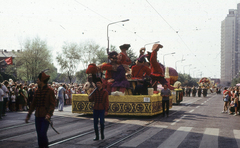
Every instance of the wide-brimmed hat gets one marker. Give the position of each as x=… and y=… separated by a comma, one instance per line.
x=125, y=46
x=43, y=77
x=92, y=69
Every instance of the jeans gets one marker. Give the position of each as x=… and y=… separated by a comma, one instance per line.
x=163, y=106
x=1, y=107
x=61, y=103
x=42, y=127
x=98, y=114
x=4, y=106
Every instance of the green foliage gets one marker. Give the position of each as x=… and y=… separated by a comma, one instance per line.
x=34, y=58
x=235, y=81
x=101, y=56
x=92, y=53
x=81, y=76
x=69, y=59
x=132, y=55
x=1, y=78
x=187, y=80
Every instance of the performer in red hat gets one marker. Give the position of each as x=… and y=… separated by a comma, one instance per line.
x=44, y=104
x=124, y=59
x=107, y=82
x=140, y=70
x=157, y=72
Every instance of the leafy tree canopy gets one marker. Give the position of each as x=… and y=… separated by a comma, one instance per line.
x=34, y=58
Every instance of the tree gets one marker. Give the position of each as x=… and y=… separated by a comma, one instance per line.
x=235, y=81
x=92, y=53
x=33, y=59
x=69, y=59
x=132, y=55
x=81, y=76
x=187, y=80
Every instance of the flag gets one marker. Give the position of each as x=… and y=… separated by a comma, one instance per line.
x=9, y=61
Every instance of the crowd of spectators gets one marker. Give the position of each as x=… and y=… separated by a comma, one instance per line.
x=18, y=96
x=231, y=100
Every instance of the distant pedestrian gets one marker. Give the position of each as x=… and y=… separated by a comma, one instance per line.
x=30, y=95
x=13, y=100
x=194, y=91
x=100, y=109
x=199, y=91
x=184, y=91
x=5, y=98
x=21, y=98
x=165, y=93
x=60, y=95
x=44, y=104
x=205, y=92
x=1, y=100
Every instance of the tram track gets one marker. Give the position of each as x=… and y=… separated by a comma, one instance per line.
x=114, y=143
x=25, y=124
x=80, y=134
x=32, y=129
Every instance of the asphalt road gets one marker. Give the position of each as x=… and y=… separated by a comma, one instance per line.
x=196, y=122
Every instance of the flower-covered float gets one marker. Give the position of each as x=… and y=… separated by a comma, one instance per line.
x=132, y=91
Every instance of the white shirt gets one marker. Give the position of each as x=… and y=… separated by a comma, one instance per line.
x=13, y=98
x=1, y=94
x=5, y=90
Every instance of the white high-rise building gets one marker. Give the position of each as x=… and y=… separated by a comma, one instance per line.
x=230, y=43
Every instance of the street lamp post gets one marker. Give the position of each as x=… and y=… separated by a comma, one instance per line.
x=165, y=55
x=178, y=61
x=151, y=43
x=191, y=68
x=185, y=66
x=201, y=73
x=194, y=72
x=107, y=31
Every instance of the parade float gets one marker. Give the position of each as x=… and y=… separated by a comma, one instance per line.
x=206, y=84
x=128, y=104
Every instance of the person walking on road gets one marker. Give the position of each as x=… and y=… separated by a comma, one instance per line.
x=60, y=96
x=100, y=109
x=165, y=93
x=199, y=91
x=44, y=104
x=1, y=100
x=5, y=98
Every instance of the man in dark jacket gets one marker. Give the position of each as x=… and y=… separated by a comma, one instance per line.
x=100, y=109
x=44, y=104
x=199, y=91
x=30, y=95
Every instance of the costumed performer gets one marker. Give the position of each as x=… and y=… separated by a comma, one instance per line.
x=140, y=70
x=107, y=81
x=125, y=59
x=89, y=86
x=120, y=82
x=157, y=72
x=100, y=109
x=44, y=104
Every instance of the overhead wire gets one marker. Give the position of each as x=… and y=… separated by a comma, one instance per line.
x=109, y=20
x=177, y=34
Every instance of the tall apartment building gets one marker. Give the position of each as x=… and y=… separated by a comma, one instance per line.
x=230, y=46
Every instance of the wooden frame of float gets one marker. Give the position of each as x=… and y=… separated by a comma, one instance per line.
x=133, y=105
